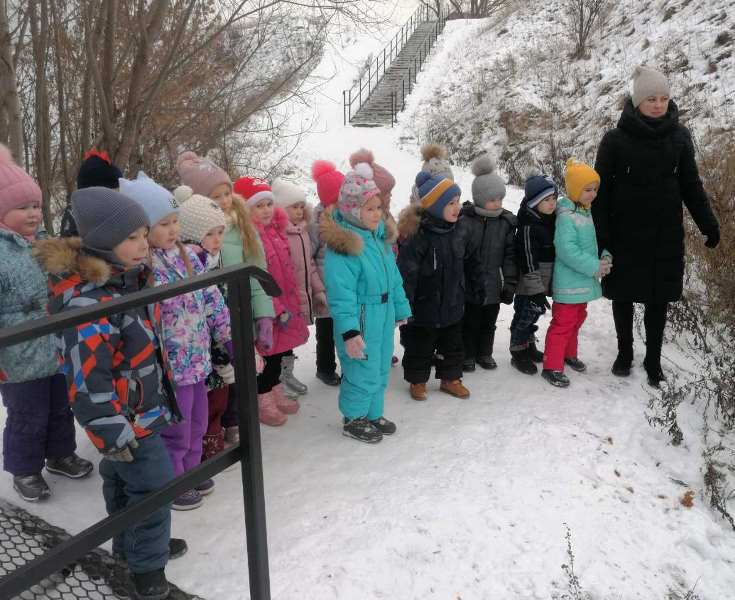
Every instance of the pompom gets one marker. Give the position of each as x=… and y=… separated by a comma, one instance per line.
x=100, y=154
x=361, y=156
x=186, y=156
x=321, y=167
x=364, y=170
x=421, y=179
x=532, y=171
x=6, y=158
x=483, y=165
x=429, y=151
x=183, y=193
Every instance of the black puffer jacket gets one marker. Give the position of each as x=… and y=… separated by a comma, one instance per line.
x=647, y=169
x=535, y=252
x=431, y=261
x=491, y=274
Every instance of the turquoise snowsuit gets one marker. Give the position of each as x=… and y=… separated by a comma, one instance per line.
x=365, y=294
x=577, y=262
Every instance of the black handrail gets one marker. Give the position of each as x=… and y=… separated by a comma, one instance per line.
x=249, y=455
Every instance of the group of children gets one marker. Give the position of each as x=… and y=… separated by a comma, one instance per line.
x=154, y=386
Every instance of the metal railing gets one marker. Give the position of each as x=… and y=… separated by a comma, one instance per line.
x=402, y=90
x=361, y=90
x=248, y=453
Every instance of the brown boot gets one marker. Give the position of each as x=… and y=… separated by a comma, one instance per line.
x=418, y=391
x=455, y=388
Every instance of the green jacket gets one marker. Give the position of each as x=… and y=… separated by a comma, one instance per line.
x=577, y=260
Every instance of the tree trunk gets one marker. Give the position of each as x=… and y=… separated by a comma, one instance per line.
x=12, y=117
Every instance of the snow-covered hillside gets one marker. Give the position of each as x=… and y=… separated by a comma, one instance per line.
x=508, y=83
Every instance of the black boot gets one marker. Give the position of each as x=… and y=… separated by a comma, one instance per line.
x=487, y=362
x=555, y=378
x=329, y=378
x=362, y=430
x=621, y=366
x=31, y=487
x=468, y=366
x=576, y=365
x=150, y=586
x=534, y=353
x=655, y=375
x=69, y=466
x=522, y=361
x=384, y=426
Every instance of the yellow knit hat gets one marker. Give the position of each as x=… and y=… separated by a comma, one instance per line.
x=577, y=176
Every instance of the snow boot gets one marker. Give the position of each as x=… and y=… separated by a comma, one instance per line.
x=487, y=362
x=418, y=391
x=288, y=378
x=205, y=488
x=329, y=378
x=71, y=466
x=150, y=586
x=286, y=405
x=522, y=361
x=31, y=487
x=213, y=444
x=454, y=388
x=555, y=378
x=362, y=430
x=468, y=366
x=575, y=364
x=384, y=426
x=621, y=366
x=534, y=353
x=268, y=411
x=655, y=375
x=188, y=501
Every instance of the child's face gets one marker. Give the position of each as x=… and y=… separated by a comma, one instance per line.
x=212, y=242
x=222, y=195
x=654, y=106
x=263, y=212
x=451, y=211
x=494, y=204
x=547, y=206
x=133, y=251
x=371, y=213
x=588, y=195
x=296, y=212
x=165, y=233
x=24, y=219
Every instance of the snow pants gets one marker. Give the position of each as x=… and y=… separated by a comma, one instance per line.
x=184, y=440
x=563, y=334
x=39, y=424
x=362, y=391
x=145, y=545
x=325, y=356
x=422, y=344
x=478, y=331
x=523, y=326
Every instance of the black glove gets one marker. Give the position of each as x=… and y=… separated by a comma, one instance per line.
x=713, y=238
x=540, y=301
x=506, y=295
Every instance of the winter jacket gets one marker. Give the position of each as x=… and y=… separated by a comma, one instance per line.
x=292, y=333
x=491, y=273
x=647, y=169
x=312, y=295
x=318, y=249
x=190, y=321
x=366, y=297
x=577, y=259
x=431, y=260
x=24, y=293
x=120, y=386
x=233, y=254
x=534, y=242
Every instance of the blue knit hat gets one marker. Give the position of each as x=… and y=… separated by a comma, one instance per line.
x=538, y=188
x=156, y=200
x=435, y=192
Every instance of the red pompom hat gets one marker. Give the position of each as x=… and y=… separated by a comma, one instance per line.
x=328, y=181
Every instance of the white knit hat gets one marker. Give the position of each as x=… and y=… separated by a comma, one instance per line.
x=287, y=193
x=198, y=215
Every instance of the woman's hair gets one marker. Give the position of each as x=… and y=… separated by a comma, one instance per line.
x=241, y=219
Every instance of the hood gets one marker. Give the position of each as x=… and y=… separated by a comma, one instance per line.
x=11, y=237
x=344, y=238
x=565, y=205
x=633, y=122
x=409, y=221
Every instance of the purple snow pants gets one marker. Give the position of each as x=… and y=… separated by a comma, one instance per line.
x=184, y=440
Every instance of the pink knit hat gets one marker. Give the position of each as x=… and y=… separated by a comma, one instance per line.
x=358, y=187
x=328, y=181
x=200, y=174
x=382, y=177
x=17, y=188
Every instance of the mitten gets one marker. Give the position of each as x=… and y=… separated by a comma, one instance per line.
x=355, y=347
x=124, y=454
x=540, y=301
x=506, y=294
x=264, y=333
x=713, y=238
x=226, y=372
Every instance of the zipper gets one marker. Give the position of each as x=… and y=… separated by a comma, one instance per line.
x=362, y=321
x=306, y=274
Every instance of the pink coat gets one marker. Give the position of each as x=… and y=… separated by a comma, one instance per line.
x=312, y=295
x=278, y=258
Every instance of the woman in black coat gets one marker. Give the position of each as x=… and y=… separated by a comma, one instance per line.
x=648, y=172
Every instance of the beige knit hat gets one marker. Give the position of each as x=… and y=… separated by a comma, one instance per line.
x=649, y=82
x=198, y=215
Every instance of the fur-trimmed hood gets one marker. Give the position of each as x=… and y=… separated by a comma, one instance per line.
x=344, y=238
x=64, y=257
x=409, y=221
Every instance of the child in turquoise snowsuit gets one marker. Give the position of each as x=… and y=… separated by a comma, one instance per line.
x=366, y=301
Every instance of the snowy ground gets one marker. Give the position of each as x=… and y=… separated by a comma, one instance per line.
x=469, y=500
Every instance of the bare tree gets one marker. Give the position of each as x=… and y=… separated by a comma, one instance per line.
x=11, y=118
x=582, y=17
x=477, y=9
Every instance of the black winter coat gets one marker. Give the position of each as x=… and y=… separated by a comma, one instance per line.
x=431, y=261
x=647, y=169
x=535, y=251
x=490, y=244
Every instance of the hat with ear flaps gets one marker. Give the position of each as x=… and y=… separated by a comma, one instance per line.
x=357, y=188
x=382, y=177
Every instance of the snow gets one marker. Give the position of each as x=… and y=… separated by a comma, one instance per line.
x=469, y=500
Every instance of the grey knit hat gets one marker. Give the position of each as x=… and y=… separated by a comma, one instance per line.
x=649, y=82
x=435, y=161
x=105, y=218
x=487, y=185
